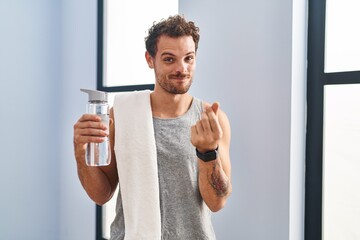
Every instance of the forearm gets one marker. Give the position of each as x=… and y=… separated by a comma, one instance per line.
x=98, y=182
x=212, y=132
x=95, y=183
x=214, y=184
x=93, y=179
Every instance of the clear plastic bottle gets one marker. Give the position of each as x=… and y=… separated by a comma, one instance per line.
x=98, y=154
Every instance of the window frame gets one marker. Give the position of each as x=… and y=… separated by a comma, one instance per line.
x=317, y=79
x=100, y=59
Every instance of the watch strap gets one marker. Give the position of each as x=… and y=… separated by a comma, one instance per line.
x=207, y=156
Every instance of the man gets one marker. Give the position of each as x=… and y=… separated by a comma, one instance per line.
x=192, y=141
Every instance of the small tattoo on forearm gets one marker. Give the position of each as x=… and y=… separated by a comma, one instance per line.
x=219, y=182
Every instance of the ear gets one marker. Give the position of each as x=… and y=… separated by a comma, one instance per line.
x=149, y=60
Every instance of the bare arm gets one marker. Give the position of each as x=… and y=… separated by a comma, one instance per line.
x=98, y=182
x=213, y=131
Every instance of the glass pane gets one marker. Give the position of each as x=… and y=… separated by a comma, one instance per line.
x=125, y=27
x=341, y=163
x=342, y=37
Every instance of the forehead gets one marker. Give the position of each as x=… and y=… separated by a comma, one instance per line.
x=176, y=46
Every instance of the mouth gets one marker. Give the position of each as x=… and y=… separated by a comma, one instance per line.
x=179, y=77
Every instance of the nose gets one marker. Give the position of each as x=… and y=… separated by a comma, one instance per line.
x=181, y=67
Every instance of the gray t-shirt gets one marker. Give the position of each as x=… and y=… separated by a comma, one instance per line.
x=184, y=214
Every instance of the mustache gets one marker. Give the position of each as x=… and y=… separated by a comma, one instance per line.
x=179, y=75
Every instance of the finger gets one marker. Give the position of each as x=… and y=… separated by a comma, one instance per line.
x=206, y=105
x=83, y=139
x=199, y=127
x=90, y=117
x=89, y=121
x=90, y=124
x=111, y=121
x=92, y=132
x=194, y=130
x=214, y=124
x=215, y=107
x=193, y=135
x=88, y=139
x=205, y=122
x=89, y=135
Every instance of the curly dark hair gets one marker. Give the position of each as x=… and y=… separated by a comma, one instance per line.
x=175, y=26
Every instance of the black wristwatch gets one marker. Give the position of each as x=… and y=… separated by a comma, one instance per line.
x=208, y=156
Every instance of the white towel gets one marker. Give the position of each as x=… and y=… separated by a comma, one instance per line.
x=135, y=151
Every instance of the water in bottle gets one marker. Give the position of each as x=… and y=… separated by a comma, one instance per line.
x=98, y=154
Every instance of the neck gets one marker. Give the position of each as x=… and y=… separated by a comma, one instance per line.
x=167, y=105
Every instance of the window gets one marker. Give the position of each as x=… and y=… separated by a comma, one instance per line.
x=342, y=37
x=333, y=98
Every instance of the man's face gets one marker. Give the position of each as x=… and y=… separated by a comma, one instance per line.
x=174, y=63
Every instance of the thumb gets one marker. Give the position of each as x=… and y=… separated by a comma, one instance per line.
x=215, y=107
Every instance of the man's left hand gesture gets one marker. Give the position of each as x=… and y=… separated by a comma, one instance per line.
x=207, y=132
x=212, y=131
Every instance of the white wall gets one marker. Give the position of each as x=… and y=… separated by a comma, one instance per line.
x=30, y=50
x=48, y=52
x=79, y=39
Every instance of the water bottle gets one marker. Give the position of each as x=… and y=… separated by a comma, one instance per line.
x=98, y=154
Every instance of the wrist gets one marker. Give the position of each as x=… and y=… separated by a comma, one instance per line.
x=205, y=150
x=207, y=155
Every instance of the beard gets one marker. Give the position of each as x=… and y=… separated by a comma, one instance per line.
x=171, y=86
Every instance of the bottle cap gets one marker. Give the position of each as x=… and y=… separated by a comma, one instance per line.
x=95, y=95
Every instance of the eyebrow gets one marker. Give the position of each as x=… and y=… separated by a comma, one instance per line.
x=171, y=54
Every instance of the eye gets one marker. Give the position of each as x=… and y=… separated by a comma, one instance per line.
x=168, y=59
x=189, y=58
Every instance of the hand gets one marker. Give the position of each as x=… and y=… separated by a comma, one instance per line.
x=207, y=132
x=88, y=128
